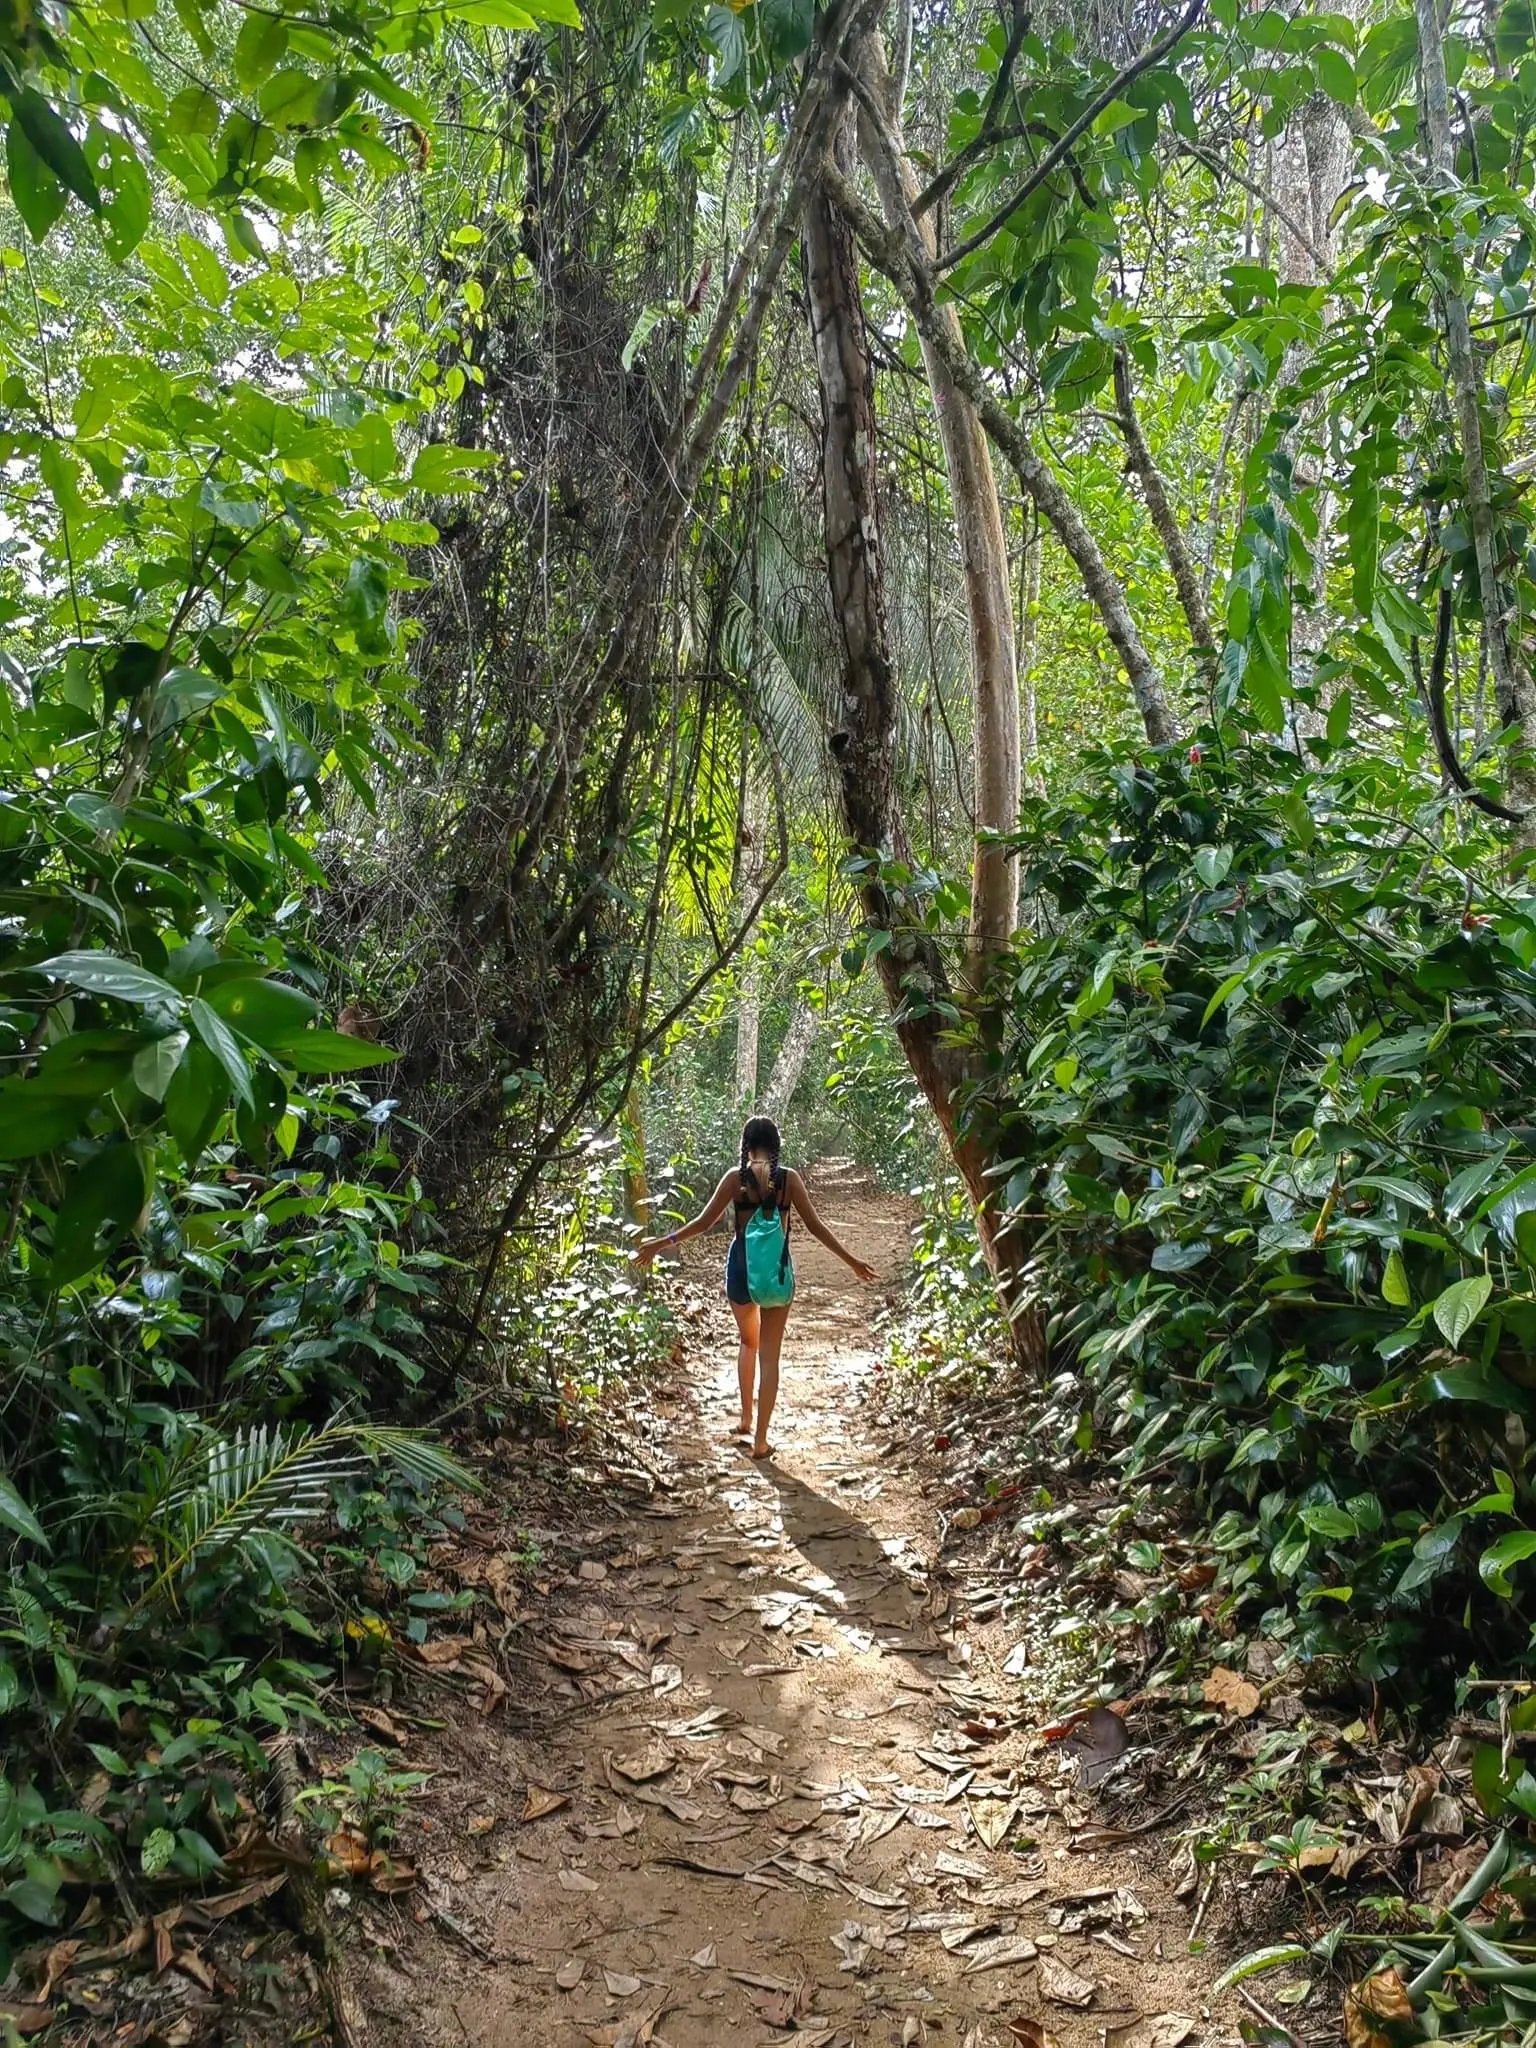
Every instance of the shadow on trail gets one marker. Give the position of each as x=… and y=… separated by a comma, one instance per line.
x=843, y=1547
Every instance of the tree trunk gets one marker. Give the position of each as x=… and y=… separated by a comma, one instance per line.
x=792, y=1056
x=637, y=1191
x=749, y=1008
x=983, y=546
x=1512, y=686
x=864, y=745
x=1165, y=522
x=898, y=253
x=1029, y=643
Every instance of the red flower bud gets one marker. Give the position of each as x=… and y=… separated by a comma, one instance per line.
x=1194, y=757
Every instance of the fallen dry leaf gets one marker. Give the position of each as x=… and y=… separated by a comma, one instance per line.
x=1030, y=2033
x=1063, y=1986
x=1096, y=1741
x=591, y=1570
x=619, y=1985
x=26, y=2019
x=248, y=1895
x=442, y=1651
x=380, y=1723
x=1156, y=2030
x=570, y=1973
x=654, y=1761
x=576, y=1881
x=480, y=1824
x=1377, y=2012
x=705, y=1958
x=391, y=1873
x=566, y=1659
x=1002, y=1952
x=1229, y=1689
x=539, y=1803
x=348, y=1852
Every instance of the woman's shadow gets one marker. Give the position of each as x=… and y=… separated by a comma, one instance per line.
x=876, y=1592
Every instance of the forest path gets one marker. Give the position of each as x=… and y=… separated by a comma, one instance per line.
x=775, y=1828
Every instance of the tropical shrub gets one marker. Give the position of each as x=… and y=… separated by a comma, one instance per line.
x=1264, y=1090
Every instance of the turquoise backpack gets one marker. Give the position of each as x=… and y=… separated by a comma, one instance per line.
x=770, y=1270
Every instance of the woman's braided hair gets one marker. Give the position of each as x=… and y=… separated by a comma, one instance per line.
x=760, y=1134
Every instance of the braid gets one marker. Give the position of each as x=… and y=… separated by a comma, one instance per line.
x=760, y=1134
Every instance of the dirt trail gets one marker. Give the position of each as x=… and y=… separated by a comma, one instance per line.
x=812, y=1852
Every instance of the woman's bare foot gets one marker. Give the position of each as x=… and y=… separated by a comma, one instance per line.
x=734, y=1436
x=762, y=1450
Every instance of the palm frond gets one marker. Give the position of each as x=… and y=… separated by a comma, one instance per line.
x=226, y=1490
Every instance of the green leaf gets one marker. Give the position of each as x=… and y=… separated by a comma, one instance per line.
x=1212, y=864
x=365, y=599
x=225, y=1047
x=259, y=47
x=125, y=216
x=268, y=1011
x=157, y=1063
x=1394, y=1282
x=158, y=1849
x=647, y=321
x=1333, y=1522
x=108, y=1191
x=103, y=974
x=1459, y=1307
x=48, y=134
x=196, y=1098
x=331, y=1052
x=35, y=1119
x=16, y=1516
x=35, y=192
x=1481, y=1383
x=1493, y=1565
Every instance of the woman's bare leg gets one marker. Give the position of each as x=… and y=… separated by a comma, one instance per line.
x=746, y=1359
x=770, y=1343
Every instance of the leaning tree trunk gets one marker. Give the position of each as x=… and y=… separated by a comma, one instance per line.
x=983, y=546
x=749, y=1009
x=910, y=965
x=790, y=1062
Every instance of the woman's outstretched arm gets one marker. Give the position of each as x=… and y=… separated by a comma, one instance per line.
x=818, y=1229
x=707, y=1218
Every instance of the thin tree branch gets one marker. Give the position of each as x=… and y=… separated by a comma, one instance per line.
x=1085, y=120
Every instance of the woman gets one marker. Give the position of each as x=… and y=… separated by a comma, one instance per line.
x=759, y=1184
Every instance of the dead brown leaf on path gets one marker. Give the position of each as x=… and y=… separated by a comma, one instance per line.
x=993, y=1819
x=56, y=1966
x=666, y=1678
x=654, y=1761
x=379, y=1723
x=570, y=1973
x=948, y=1864
x=746, y=1800
x=620, y=1822
x=388, y=1873
x=1028, y=2033
x=26, y=2019
x=347, y=1851
x=882, y=1902
x=480, y=1824
x=705, y=1866
x=248, y=1895
x=1063, y=1986
x=1378, y=2012
x=620, y=1985
x=539, y=1803
x=1155, y=2030
x=441, y=1652
x=1004, y=1951
x=956, y=1938
x=1230, y=1690
x=576, y=1881
x=705, y=1958
x=566, y=1659
x=1099, y=1738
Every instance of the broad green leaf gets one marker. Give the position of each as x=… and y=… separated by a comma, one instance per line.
x=155, y=1065
x=35, y=192
x=1257, y=1960
x=107, y=1192
x=1458, y=1308
x=1212, y=864
x=331, y=1052
x=54, y=142
x=16, y=1516
x=646, y=323
x=268, y=1011
x=225, y=1047
x=1394, y=1282
x=259, y=47
x=103, y=974
x=1493, y=1566
x=34, y=1119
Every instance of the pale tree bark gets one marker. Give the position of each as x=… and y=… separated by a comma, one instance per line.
x=789, y=1063
x=1165, y=521
x=1029, y=647
x=637, y=1191
x=1512, y=686
x=979, y=533
x=863, y=747
x=898, y=253
x=749, y=1009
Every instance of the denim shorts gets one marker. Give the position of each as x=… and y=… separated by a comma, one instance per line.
x=736, y=1289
